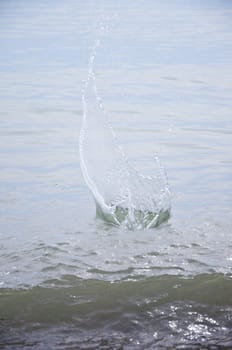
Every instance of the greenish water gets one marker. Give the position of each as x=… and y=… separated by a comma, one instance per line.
x=67, y=279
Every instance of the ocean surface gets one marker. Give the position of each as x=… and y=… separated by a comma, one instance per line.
x=164, y=74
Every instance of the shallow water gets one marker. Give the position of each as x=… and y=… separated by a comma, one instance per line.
x=67, y=280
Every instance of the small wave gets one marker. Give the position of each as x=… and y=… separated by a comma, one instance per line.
x=157, y=312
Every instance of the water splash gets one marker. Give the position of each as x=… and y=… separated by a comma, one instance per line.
x=122, y=195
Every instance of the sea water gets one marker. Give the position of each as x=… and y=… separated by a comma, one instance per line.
x=67, y=279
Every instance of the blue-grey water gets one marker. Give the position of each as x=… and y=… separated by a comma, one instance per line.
x=164, y=74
